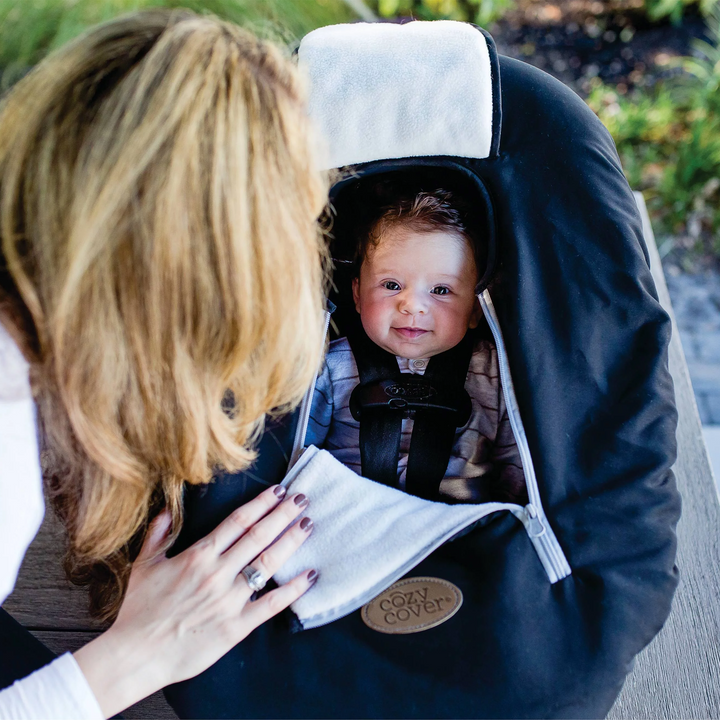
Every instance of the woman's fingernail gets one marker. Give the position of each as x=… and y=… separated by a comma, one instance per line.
x=306, y=524
x=312, y=577
x=300, y=500
x=279, y=491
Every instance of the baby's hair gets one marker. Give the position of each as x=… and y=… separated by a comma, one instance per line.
x=425, y=212
x=422, y=210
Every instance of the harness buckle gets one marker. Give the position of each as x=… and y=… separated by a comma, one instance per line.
x=408, y=394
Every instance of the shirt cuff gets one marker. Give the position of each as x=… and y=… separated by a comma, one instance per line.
x=58, y=690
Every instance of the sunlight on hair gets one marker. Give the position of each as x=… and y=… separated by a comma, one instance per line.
x=157, y=213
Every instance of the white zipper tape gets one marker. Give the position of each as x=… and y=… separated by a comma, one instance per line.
x=533, y=516
x=305, y=407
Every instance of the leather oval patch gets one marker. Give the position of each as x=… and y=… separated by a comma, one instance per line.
x=412, y=605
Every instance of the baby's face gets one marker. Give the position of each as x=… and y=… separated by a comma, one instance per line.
x=416, y=292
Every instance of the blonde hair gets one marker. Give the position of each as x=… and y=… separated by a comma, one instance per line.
x=163, y=271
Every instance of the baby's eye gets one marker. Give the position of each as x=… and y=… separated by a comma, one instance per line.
x=440, y=290
x=391, y=285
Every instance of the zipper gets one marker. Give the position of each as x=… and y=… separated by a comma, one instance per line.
x=305, y=407
x=532, y=515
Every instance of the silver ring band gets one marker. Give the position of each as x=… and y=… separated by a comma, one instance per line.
x=255, y=579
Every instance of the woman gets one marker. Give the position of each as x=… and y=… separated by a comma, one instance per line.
x=162, y=275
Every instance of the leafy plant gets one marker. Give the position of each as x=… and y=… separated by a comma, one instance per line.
x=481, y=12
x=675, y=9
x=29, y=29
x=668, y=139
x=706, y=66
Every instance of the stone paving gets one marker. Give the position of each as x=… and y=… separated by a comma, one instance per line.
x=696, y=302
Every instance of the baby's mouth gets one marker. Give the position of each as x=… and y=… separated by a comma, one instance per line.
x=410, y=333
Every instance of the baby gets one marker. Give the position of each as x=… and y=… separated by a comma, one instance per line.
x=415, y=293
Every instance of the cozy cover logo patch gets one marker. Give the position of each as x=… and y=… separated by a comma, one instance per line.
x=412, y=605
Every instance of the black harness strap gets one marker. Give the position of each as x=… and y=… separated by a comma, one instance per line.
x=379, y=430
x=437, y=401
x=433, y=432
x=380, y=433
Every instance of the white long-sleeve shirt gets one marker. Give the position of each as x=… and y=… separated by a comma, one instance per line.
x=58, y=690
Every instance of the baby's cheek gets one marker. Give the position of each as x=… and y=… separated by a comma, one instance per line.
x=456, y=324
x=374, y=320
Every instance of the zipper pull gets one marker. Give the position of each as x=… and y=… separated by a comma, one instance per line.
x=534, y=525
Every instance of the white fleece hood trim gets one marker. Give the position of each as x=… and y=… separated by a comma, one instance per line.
x=384, y=91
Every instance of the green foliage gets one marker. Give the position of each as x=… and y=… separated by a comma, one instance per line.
x=485, y=12
x=668, y=139
x=706, y=68
x=29, y=29
x=675, y=9
x=480, y=12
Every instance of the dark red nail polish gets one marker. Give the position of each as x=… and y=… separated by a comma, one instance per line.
x=279, y=491
x=312, y=577
x=306, y=524
x=300, y=500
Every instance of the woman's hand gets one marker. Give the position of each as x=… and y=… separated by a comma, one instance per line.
x=182, y=614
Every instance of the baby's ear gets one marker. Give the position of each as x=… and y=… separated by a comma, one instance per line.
x=476, y=315
x=356, y=292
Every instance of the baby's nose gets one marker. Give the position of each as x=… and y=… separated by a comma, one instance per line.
x=412, y=303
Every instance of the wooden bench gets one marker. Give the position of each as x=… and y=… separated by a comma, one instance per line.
x=677, y=676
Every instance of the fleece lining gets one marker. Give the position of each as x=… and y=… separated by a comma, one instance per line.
x=366, y=535
x=442, y=106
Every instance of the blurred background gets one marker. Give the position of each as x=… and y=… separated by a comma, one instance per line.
x=650, y=69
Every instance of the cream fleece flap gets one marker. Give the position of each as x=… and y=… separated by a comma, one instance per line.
x=381, y=90
x=366, y=535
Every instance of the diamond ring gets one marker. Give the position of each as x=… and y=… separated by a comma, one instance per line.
x=255, y=579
